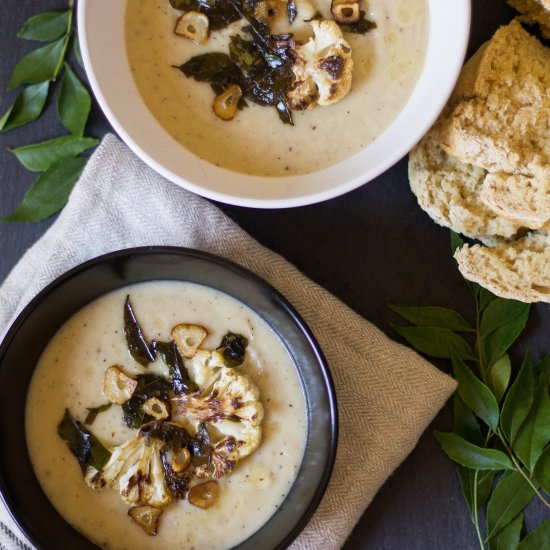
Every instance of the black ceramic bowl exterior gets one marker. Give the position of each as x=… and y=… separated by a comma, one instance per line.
x=40, y=320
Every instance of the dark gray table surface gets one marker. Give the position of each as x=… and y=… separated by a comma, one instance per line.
x=371, y=247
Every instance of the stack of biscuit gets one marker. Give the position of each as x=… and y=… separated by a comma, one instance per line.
x=484, y=168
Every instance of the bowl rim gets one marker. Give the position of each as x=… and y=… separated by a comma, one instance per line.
x=289, y=309
x=282, y=192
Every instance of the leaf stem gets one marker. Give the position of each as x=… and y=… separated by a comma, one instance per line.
x=520, y=469
x=66, y=41
x=475, y=517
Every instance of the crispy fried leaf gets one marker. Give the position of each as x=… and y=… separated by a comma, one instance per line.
x=137, y=344
x=200, y=447
x=220, y=13
x=233, y=349
x=435, y=341
x=46, y=26
x=434, y=317
x=82, y=443
x=477, y=396
x=40, y=65
x=49, y=192
x=518, y=401
x=215, y=68
x=508, y=537
x=510, y=497
x=179, y=377
x=360, y=27
x=28, y=106
x=470, y=455
x=534, y=434
x=174, y=437
x=40, y=156
x=94, y=411
x=148, y=386
x=73, y=103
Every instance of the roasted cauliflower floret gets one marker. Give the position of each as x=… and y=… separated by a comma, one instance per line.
x=228, y=402
x=323, y=68
x=137, y=469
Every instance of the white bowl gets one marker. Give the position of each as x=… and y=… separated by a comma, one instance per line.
x=101, y=31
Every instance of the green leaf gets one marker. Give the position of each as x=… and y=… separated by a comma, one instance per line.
x=543, y=366
x=73, y=103
x=76, y=50
x=468, y=483
x=45, y=26
x=27, y=106
x=538, y=539
x=475, y=394
x=465, y=423
x=49, y=192
x=508, y=537
x=40, y=65
x=499, y=376
x=485, y=298
x=542, y=470
x=518, y=401
x=434, y=317
x=456, y=241
x=435, y=342
x=40, y=156
x=511, y=495
x=534, y=433
x=470, y=455
x=501, y=324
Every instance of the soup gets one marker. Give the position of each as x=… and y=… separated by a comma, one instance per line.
x=387, y=64
x=70, y=375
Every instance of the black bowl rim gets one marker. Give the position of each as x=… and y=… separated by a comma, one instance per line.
x=27, y=311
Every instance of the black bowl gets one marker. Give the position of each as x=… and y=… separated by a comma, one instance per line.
x=39, y=321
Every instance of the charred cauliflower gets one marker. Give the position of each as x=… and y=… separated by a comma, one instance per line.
x=322, y=68
x=139, y=468
x=227, y=402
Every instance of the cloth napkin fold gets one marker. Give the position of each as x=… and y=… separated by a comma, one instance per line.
x=387, y=394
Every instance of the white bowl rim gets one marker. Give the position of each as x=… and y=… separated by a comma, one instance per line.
x=447, y=47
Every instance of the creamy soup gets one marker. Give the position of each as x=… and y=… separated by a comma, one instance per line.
x=70, y=375
x=387, y=64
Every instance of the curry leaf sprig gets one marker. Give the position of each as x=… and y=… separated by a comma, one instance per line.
x=500, y=437
x=58, y=160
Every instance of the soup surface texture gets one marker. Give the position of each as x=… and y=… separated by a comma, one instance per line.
x=387, y=63
x=70, y=375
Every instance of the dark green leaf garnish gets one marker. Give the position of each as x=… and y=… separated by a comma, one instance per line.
x=94, y=411
x=85, y=446
x=177, y=483
x=220, y=13
x=174, y=437
x=200, y=447
x=360, y=27
x=179, y=377
x=137, y=344
x=148, y=386
x=215, y=68
x=233, y=348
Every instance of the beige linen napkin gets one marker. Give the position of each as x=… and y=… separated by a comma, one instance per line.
x=387, y=394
